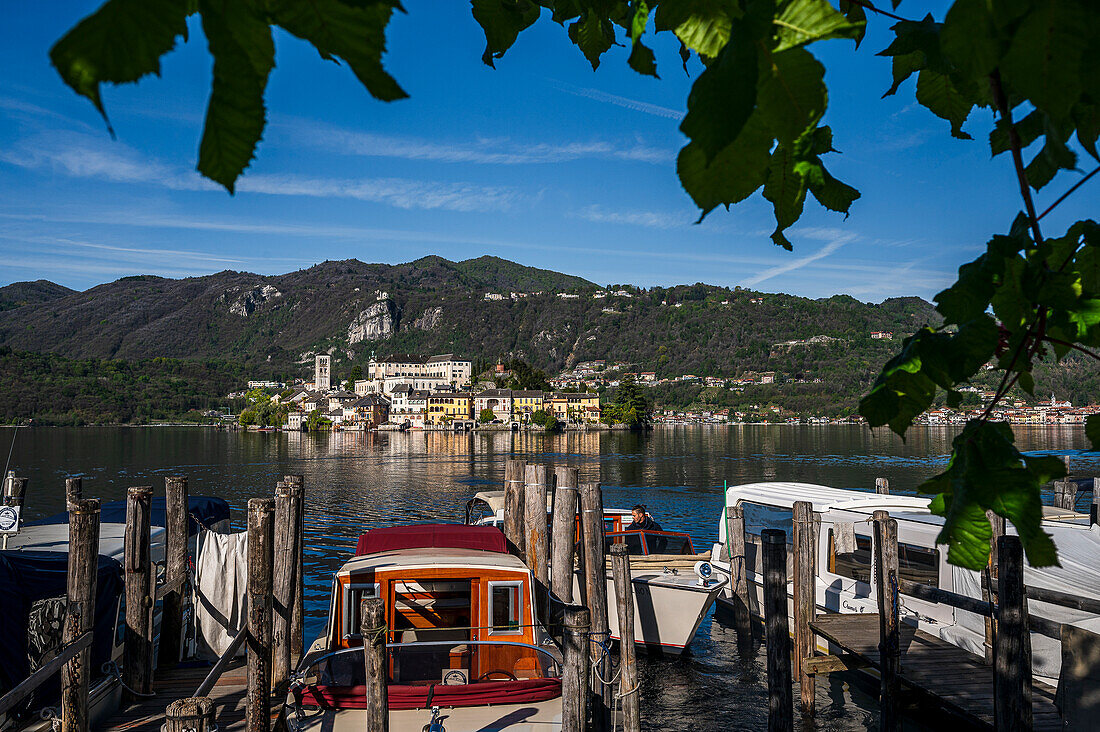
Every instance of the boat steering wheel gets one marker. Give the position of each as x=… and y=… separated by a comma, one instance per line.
x=511, y=676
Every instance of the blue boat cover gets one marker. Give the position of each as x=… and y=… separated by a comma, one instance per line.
x=27, y=577
x=204, y=510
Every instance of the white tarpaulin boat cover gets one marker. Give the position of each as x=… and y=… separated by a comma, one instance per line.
x=221, y=585
x=1079, y=554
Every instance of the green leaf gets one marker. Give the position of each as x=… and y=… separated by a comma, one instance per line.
x=593, y=35
x=337, y=30
x=1028, y=130
x=988, y=473
x=722, y=99
x=786, y=189
x=791, y=94
x=641, y=57
x=855, y=13
x=733, y=175
x=804, y=21
x=119, y=43
x=502, y=21
x=1027, y=382
x=970, y=38
x=701, y=25
x=1054, y=156
x=830, y=192
x=1044, y=62
x=1092, y=431
x=244, y=54
x=936, y=92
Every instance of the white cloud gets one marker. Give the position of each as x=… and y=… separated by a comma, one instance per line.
x=651, y=219
x=625, y=102
x=801, y=262
x=85, y=156
x=481, y=151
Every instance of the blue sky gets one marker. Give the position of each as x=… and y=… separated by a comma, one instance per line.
x=540, y=161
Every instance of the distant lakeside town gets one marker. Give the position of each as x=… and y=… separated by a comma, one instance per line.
x=442, y=392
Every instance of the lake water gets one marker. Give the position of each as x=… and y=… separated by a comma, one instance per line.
x=356, y=481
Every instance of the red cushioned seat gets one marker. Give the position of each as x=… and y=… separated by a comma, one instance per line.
x=416, y=697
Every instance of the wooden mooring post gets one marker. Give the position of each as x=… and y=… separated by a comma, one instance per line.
x=595, y=584
x=372, y=626
x=260, y=560
x=195, y=714
x=989, y=590
x=1065, y=495
x=514, y=472
x=886, y=587
x=536, y=535
x=284, y=583
x=1094, y=509
x=74, y=490
x=805, y=601
x=739, y=574
x=80, y=618
x=137, y=658
x=628, y=662
x=776, y=633
x=175, y=573
x=297, y=485
x=563, y=533
x=574, y=675
x=882, y=486
x=1012, y=643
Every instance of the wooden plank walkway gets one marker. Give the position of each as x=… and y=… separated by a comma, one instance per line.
x=955, y=677
x=179, y=683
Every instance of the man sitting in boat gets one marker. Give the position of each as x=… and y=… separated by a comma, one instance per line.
x=642, y=520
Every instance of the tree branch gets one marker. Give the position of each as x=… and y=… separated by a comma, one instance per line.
x=1074, y=346
x=1017, y=156
x=873, y=9
x=1066, y=195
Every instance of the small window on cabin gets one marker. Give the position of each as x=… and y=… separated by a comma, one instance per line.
x=505, y=606
x=355, y=593
x=632, y=539
x=856, y=565
x=918, y=564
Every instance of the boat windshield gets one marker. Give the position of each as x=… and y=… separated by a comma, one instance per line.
x=651, y=542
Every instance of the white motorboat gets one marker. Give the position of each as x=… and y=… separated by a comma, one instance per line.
x=673, y=586
x=464, y=637
x=844, y=579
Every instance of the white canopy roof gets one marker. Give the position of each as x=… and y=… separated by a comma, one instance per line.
x=55, y=538
x=784, y=494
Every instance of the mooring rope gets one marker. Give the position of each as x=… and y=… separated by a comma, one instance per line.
x=112, y=668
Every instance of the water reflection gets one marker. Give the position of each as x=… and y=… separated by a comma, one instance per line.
x=356, y=480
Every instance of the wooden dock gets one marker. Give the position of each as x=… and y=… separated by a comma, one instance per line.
x=179, y=683
x=956, y=678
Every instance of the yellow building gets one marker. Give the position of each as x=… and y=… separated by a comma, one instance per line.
x=448, y=406
x=574, y=408
x=526, y=403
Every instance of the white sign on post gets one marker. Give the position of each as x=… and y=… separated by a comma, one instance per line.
x=9, y=519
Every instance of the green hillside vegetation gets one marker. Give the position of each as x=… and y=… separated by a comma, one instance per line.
x=55, y=390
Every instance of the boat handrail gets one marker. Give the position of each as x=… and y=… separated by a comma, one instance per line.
x=307, y=662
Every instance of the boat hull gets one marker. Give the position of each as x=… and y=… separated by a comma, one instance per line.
x=668, y=609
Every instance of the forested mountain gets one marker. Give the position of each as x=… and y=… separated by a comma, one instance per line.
x=19, y=294
x=149, y=347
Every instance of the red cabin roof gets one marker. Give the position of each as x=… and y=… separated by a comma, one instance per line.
x=432, y=536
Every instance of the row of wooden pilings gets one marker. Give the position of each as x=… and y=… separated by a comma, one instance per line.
x=273, y=633
x=1010, y=643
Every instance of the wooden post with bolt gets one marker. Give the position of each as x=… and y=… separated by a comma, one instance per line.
x=563, y=534
x=80, y=594
x=628, y=664
x=805, y=601
x=297, y=617
x=574, y=676
x=372, y=626
x=886, y=586
x=138, y=649
x=595, y=583
x=776, y=634
x=176, y=517
x=258, y=640
x=514, y=474
x=536, y=534
x=284, y=583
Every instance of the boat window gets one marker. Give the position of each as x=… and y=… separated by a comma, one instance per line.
x=505, y=608
x=668, y=544
x=632, y=539
x=915, y=563
x=856, y=565
x=354, y=594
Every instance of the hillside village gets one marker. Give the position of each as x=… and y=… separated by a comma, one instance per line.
x=434, y=392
